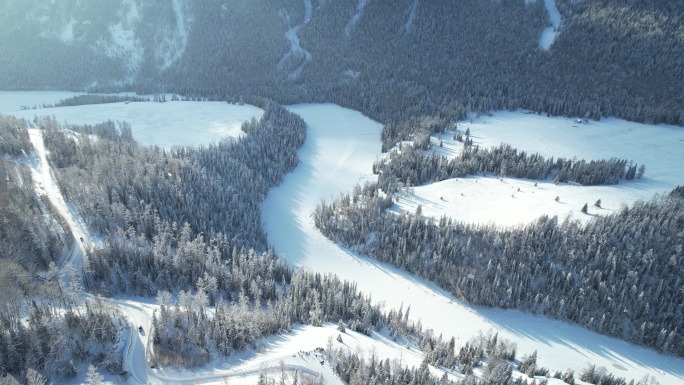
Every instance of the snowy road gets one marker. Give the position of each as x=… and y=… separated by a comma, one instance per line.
x=45, y=184
x=341, y=146
x=138, y=313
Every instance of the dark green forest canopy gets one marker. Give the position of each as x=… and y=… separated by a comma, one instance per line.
x=611, y=57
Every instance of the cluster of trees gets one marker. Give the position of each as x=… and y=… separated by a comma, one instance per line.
x=174, y=207
x=14, y=138
x=185, y=334
x=411, y=166
x=47, y=331
x=599, y=375
x=619, y=275
x=147, y=205
x=80, y=100
x=29, y=237
x=495, y=357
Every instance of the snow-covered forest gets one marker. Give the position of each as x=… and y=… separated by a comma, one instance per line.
x=199, y=203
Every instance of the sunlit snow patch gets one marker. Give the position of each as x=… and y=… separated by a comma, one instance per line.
x=549, y=34
x=162, y=124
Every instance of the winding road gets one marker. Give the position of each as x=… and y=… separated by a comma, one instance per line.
x=337, y=155
x=137, y=314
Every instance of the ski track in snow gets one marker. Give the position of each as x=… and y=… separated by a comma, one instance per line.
x=412, y=15
x=295, y=47
x=340, y=148
x=549, y=34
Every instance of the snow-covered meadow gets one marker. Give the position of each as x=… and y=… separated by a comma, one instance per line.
x=340, y=149
x=511, y=201
x=341, y=146
x=162, y=124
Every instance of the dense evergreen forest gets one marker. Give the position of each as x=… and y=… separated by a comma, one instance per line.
x=47, y=330
x=619, y=275
x=144, y=251
x=611, y=57
x=410, y=166
x=28, y=237
x=184, y=224
x=182, y=212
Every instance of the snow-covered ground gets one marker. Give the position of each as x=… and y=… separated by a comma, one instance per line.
x=162, y=124
x=513, y=201
x=295, y=47
x=411, y=16
x=548, y=35
x=340, y=149
x=355, y=17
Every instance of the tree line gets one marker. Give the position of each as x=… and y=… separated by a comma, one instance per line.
x=411, y=166
x=618, y=275
x=456, y=57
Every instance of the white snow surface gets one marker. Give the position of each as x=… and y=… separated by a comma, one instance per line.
x=67, y=35
x=412, y=15
x=340, y=148
x=355, y=17
x=295, y=47
x=549, y=34
x=162, y=124
x=478, y=199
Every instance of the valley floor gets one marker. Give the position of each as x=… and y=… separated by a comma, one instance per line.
x=341, y=146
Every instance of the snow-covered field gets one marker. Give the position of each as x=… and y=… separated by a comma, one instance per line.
x=340, y=149
x=162, y=124
x=511, y=201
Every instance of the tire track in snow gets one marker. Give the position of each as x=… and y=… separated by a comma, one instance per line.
x=46, y=185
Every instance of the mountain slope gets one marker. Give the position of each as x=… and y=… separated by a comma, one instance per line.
x=387, y=59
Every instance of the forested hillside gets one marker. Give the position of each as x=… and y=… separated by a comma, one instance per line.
x=36, y=312
x=620, y=275
x=385, y=58
x=170, y=217
x=31, y=238
x=184, y=224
